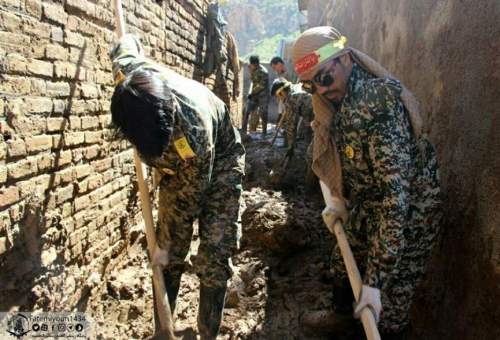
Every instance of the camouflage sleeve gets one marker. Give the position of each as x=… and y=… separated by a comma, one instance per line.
x=260, y=82
x=127, y=55
x=306, y=107
x=388, y=143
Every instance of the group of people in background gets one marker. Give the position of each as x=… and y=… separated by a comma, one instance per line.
x=294, y=105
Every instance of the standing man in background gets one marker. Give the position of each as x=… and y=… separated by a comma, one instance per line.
x=282, y=70
x=258, y=98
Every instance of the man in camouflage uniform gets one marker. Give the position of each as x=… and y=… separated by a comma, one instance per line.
x=297, y=104
x=389, y=179
x=258, y=98
x=200, y=158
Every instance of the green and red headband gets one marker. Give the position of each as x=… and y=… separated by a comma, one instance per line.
x=320, y=55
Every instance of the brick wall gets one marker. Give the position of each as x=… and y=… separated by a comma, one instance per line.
x=67, y=188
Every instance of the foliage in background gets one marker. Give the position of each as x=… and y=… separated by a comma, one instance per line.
x=266, y=48
x=258, y=25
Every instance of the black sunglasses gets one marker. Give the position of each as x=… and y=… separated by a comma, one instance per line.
x=323, y=79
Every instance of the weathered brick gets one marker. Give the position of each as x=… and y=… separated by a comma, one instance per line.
x=40, y=68
x=81, y=5
x=75, y=123
x=57, y=34
x=64, y=176
x=59, y=89
x=3, y=174
x=73, y=23
x=34, y=8
x=38, y=87
x=74, y=138
x=45, y=162
x=59, y=106
x=82, y=171
x=73, y=39
x=16, y=147
x=56, y=124
x=56, y=52
x=89, y=91
x=9, y=22
x=55, y=13
x=22, y=168
x=3, y=150
x=64, y=194
x=8, y=39
x=93, y=137
x=91, y=152
x=63, y=158
x=15, y=62
x=14, y=85
x=16, y=212
x=8, y=196
x=82, y=202
x=67, y=209
x=33, y=105
x=64, y=69
x=38, y=143
x=89, y=123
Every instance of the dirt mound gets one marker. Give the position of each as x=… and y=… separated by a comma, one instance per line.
x=281, y=271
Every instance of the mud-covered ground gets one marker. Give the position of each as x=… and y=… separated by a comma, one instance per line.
x=280, y=273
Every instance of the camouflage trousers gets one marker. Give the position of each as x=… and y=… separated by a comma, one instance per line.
x=255, y=109
x=424, y=219
x=187, y=196
x=399, y=287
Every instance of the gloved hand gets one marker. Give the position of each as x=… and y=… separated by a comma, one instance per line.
x=335, y=212
x=160, y=257
x=370, y=297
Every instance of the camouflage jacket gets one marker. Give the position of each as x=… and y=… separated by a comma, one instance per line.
x=384, y=174
x=260, y=82
x=300, y=102
x=202, y=118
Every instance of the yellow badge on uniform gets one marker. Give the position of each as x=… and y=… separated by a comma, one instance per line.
x=349, y=152
x=119, y=77
x=183, y=148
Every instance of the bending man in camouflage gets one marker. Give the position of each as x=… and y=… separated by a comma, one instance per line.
x=297, y=104
x=297, y=108
x=258, y=98
x=184, y=131
x=387, y=189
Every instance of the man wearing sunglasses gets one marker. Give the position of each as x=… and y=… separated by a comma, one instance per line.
x=370, y=151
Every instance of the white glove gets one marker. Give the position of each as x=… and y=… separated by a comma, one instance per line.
x=335, y=212
x=370, y=297
x=160, y=257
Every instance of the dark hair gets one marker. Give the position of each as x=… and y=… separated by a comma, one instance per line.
x=143, y=110
x=276, y=60
x=277, y=84
x=254, y=60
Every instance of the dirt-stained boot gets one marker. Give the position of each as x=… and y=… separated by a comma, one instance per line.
x=339, y=320
x=210, y=311
x=172, y=283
